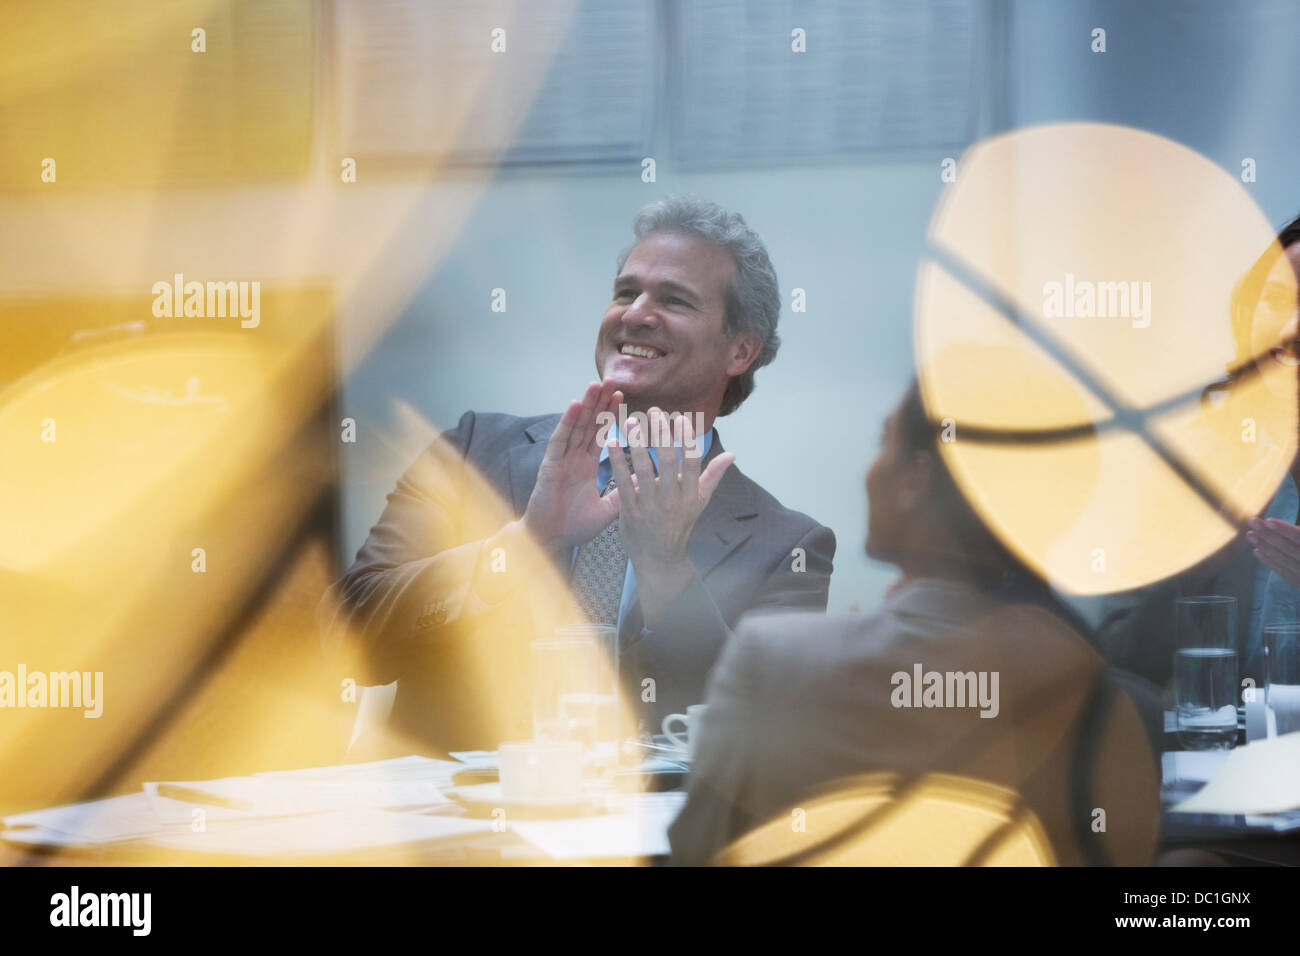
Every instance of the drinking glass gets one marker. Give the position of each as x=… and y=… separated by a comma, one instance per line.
x=1207, y=620
x=575, y=688
x=1205, y=693
x=1282, y=651
x=1205, y=671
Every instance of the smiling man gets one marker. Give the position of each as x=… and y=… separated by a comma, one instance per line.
x=669, y=545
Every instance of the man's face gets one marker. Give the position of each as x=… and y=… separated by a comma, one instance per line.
x=663, y=338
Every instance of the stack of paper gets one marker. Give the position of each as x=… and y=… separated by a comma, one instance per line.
x=636, y=827
x=96, y=822
x=325, y=811
x=343, y=831
x=408, y=782
x=282, y=813
x=1261, y=777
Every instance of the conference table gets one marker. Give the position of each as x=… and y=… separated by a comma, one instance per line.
x=422, y=811
x=1237, y=839
x=651, y=799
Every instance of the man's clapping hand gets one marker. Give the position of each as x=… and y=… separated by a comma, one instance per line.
x=656, y=514
x=566, y=507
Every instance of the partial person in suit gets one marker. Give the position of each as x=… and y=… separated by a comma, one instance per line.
x=800, y=706
x=503, y=512
x=1261, y=566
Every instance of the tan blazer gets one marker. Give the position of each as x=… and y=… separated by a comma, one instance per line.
x=799, y=702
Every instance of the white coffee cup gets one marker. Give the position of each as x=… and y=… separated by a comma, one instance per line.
x=689, y=736
x=532, y=769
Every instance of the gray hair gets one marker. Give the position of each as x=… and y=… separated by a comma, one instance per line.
x=753, y=297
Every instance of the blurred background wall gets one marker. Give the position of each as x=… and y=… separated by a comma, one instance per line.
x=848, y=231
x=834, y=155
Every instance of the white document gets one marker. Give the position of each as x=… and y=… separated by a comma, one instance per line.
x=1261, y=777
x=322, y=833
x=96, y=821
x=477, y=758
x=1192, y=766
x=637, y=828
x=387, y=784
x=412, y=767
x=39, y=836
x=406, y=782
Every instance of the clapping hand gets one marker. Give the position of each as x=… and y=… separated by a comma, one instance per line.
x=565, y=506
x=656, y=514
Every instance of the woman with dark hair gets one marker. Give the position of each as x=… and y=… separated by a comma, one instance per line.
x=965, y=549
x=969, y=676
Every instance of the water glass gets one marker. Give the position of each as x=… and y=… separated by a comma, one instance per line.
x=575, y=688
x=1205, y=694
x=1282, y=652
x=1207, y=620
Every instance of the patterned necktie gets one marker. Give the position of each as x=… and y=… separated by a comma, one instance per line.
x=600, y=569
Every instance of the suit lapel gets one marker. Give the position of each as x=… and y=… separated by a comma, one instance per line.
x=525, y=462
x=721, y=527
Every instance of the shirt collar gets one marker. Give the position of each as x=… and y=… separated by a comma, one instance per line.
x=705, y=442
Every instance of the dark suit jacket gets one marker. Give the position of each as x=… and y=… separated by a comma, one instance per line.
x=1136, y=629
x=798, y=703
x=463, y=671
